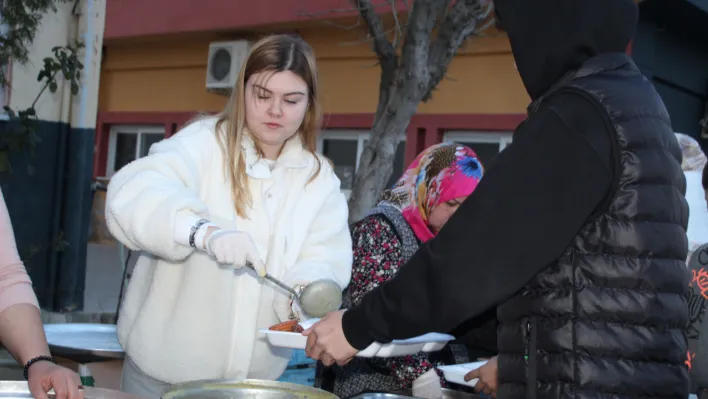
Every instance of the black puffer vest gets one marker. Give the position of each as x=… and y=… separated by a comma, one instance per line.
x=608, y=318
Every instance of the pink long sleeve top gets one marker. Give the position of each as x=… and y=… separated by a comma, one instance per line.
x=15, y=284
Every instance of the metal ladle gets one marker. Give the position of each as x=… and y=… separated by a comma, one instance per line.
x=317, y=298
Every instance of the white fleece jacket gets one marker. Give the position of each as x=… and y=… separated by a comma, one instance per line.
x=186, y=318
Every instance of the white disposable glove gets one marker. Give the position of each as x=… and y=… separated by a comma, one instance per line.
x=234, y=248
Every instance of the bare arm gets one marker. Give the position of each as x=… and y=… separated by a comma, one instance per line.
x=22, y=332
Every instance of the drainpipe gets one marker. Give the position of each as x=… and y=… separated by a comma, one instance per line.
x=88, y=55
x=82, y=122
x=60, y=179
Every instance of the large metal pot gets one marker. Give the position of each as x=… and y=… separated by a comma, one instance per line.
x=19, y=389
x=247, y=389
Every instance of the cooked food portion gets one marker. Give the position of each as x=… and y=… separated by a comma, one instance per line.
x=288, y=326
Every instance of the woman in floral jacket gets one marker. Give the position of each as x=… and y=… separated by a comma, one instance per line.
x=408, y=214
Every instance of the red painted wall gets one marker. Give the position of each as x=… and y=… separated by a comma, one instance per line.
x=134, y=18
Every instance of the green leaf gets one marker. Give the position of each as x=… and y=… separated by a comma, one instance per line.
x=53, y=86
x=74, y=88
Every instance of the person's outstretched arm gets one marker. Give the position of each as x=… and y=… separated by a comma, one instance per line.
x=21, y=329
x=526, y=210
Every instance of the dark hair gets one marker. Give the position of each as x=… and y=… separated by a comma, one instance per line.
x=705, y=177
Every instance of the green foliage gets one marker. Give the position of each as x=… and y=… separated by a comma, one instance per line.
x=21, y=20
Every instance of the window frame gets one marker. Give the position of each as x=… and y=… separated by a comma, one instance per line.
x=137, y=130
x=482, y=137
x=358, y=135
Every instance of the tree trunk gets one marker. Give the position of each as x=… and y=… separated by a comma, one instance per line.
x=406, y=80
x=376, y=164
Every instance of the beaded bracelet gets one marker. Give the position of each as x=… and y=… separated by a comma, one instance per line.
x=35, y=360
x=194, y=231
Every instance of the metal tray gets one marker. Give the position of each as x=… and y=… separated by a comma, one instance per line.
x=84, y=342
x=248, y=389
x=19, y=389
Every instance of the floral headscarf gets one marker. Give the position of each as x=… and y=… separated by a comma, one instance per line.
x=439, y=174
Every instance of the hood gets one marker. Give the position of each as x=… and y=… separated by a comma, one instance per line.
x=552, y=37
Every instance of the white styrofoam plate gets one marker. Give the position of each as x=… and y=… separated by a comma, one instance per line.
x=424, y=343
x=456, y=372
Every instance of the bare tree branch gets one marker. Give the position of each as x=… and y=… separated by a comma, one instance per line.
x=414, y=57
x=342, y=10
x=384, y=50
x=369, y=40
x=398, y=32
x=382, y=47
x=352, y=26
x=408, y=78
x=460, y=22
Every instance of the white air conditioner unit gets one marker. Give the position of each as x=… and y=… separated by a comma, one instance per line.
x=224, y=64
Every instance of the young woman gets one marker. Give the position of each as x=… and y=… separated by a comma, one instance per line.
x=244, y=187
x=21, y=330
x=409, y=214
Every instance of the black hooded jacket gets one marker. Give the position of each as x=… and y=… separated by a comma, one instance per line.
x=589, y=196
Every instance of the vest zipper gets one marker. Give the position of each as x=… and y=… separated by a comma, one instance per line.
x=530, y=356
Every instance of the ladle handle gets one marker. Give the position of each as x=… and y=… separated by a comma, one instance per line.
x=275, y=280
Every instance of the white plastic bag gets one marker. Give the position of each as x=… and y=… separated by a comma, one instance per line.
x=428, y=386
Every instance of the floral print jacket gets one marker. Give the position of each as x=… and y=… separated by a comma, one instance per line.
x=377, y=258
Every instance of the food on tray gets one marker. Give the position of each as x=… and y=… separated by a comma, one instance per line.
x=288, y=326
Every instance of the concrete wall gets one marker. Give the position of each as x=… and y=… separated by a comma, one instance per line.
x=50, y=207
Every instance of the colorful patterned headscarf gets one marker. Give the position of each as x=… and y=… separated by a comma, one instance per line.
x=439, y=174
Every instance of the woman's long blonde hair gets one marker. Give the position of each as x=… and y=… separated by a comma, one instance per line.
x=275, y=53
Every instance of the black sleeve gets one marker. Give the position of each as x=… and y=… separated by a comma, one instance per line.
x=522, y=216
x=479, y=334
